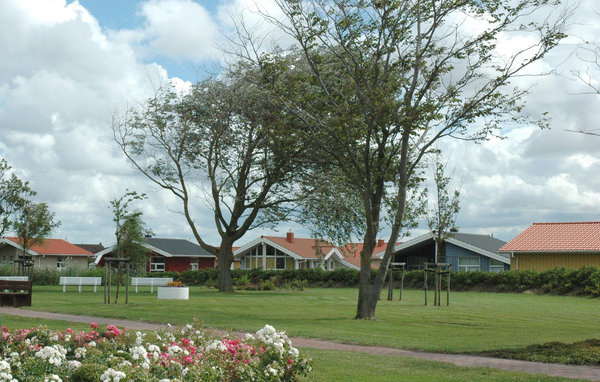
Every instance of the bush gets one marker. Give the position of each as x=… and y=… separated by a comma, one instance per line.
x=186, y=354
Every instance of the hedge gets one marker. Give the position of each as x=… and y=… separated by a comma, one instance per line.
x=582, y=281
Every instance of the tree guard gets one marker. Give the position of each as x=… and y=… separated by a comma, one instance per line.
x=118, y=263
x=439, y=270
x=393, y=267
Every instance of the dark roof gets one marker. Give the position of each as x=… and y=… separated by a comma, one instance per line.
x=486, y=242
x=178, y=247
x=94, y=248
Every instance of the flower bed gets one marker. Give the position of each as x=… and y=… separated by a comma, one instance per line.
x=183, y=354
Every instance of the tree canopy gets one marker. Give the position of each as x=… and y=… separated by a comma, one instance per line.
x=377, y=83
x=14, y=194
x=222, y=143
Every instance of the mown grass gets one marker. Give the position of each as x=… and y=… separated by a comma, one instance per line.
x=332, y=366
x=473, y=321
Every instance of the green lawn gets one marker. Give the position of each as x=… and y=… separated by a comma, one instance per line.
x=473, y=321
x=331, y=366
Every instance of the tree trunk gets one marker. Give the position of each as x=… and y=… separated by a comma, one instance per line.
x=366, y=309
x=225, y=258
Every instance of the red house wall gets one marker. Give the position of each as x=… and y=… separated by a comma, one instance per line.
x=177, y=264
x=206, y=262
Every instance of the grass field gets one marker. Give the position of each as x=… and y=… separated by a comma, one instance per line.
x=473, y=321
x=332, y=366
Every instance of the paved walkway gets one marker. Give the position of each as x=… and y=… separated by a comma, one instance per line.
x=581, y=372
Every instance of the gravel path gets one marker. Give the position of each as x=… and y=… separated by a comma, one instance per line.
x=581, y=372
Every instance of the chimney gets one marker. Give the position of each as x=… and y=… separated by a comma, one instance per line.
x=380, y=243
x=289, y=237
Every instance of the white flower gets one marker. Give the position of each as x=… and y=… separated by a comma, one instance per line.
x=138, y=352
x=54, y=354
x=293, y=352
x=72, y=365
x=80, y=352
x=53, y=378
x=216, y=345
x=92, y=344
x=111, y=375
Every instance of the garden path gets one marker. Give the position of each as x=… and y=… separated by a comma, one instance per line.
x=581, y=372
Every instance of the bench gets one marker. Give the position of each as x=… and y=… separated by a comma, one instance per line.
x=150, y=281
x=95, y=281
x=15, y=293
x=15, y=278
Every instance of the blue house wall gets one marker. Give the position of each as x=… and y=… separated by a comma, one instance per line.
x=453, y=252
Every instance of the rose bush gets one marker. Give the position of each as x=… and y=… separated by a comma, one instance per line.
x=181, y=354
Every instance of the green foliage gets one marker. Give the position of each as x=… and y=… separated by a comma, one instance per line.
x=45, y=276
x=579, y=353
x=14, y=194
x=34, y=223
x=89, y=372
x=130, y=229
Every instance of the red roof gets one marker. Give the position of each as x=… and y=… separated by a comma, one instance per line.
x=55, y=247
x=307, y=248
x=351, y=251
x=556, y=237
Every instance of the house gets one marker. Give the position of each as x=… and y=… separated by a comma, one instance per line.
x=544, y=246
x=50, y=254
x=169, y=255
x=290, y=252
x=93, y=248
x=352, y=252
x=465, y=251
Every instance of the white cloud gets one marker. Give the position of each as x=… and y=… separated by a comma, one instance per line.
x=62, y=76
x=181, y=29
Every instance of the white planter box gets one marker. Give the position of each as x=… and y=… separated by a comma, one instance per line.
x=173, y=293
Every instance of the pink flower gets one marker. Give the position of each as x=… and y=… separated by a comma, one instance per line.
x=94, y=325
x=187, y=359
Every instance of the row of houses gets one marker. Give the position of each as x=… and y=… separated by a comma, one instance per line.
x=540, y=247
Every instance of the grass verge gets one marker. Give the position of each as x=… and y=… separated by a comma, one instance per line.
x=331, y=366
x=473, y=322
x=579, y=353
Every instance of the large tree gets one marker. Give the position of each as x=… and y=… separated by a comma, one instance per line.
x=14, y=194
x=222, y=144
x=377, y=83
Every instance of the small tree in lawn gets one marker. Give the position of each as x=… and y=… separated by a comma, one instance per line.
x=130, y=231
x=443, y=209
x=33, y=224
x=13, y=196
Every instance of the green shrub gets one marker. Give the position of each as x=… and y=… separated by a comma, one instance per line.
x=90, y=372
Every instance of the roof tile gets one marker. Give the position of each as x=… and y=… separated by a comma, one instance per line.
x=557, y=237
x=55, y=247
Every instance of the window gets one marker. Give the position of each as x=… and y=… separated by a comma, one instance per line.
x=193, y=264
x=496, y=266
x=468, y=264
x=280, y=262
x=157, y=264
x=60, y=263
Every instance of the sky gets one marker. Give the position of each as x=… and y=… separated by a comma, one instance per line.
x=67, y=66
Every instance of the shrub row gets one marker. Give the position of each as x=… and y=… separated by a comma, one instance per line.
x=582, y=281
